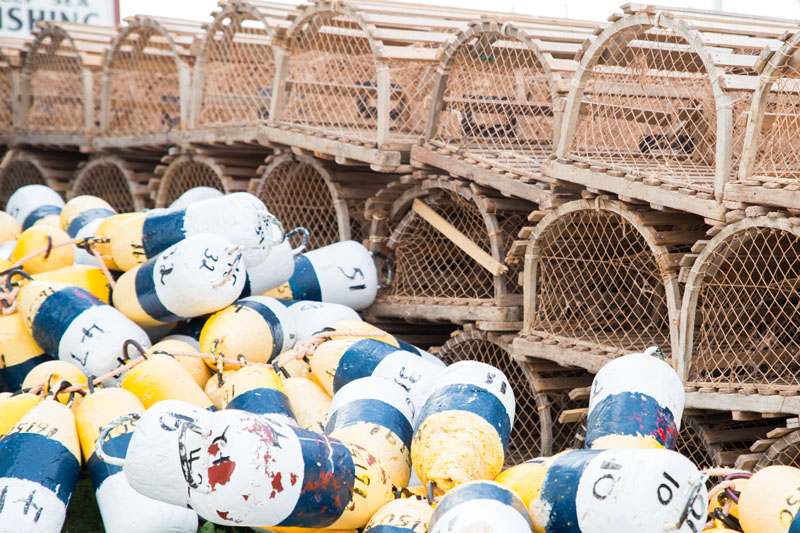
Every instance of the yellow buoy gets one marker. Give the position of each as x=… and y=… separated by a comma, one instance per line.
x=54, y=374
x=525, y=479
x=213, y=387
x=309, y=403
x=9, y=227
x=82, y=210
x=105, y=230
x=194, y=365
x=38, y=238
x=160, y=378
x=14, y=407
x=359, y=326
x=407, y=515
x=20, y=352
x=259, y=390
x=770, y=501
x=39, y=465
x=85, y=276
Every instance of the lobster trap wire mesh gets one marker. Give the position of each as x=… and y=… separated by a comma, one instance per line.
x=429, y=265
x=55, y=85
x=599, y=282
x=748, y=311
x=237, y=73
x=186, y=174
x=525, y=440
x=143, y=85
x=17, y=174
x=497, y=103
x=649, y=110
x=107, y=181
x=299, y=196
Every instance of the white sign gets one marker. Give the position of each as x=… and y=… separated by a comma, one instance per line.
x=18, y=18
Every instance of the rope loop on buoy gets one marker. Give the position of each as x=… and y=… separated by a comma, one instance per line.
x=236, y=260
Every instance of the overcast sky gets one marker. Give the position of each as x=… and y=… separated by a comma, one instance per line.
x=585, y=9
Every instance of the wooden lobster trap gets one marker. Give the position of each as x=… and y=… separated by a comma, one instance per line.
x=768, y=174
x=36, y=167
x=120, y=180
x=601, y=280
x=11, y=56
x=738, y=322
x=235, y=69
x=445, y=240
x=60, y=83
x=326, y=199
x=146, y=83
x=497, y=100
x=357, y=76
x=658, y=107
x=225, y=170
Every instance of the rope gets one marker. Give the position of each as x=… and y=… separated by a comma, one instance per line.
x=97, y=381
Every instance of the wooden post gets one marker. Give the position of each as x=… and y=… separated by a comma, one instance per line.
x=185, y=88
x=384, y=101
x=88, y=100
x=278, y=102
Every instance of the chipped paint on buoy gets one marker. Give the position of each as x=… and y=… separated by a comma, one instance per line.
x=484, y=506
x=407, y=515
x=636, y=401
x=250, y=470
x=72, y=323
x=196, y=276
x=39, y=465
x=376, y=414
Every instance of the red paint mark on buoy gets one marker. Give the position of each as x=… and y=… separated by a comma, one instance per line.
x=293, y=478
x=246, y=497
x=276, y=482
x=213, y=449
x=220, y=473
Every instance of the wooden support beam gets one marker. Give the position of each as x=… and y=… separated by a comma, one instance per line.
x=459, y=239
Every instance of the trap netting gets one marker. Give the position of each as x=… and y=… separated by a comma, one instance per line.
x=746, y=285
x=184, y=173
x=105, y=179
x=300, y=194
x=145, y=75
x=17, y=173
x=784, y=451
x=526, y=434
x=553, y=387
x=235, y=68
x=53, y=91
x=775, y=155
x=429, y=266
x=498, y=102
x=598, y=282
x=332, y=82
x=652, y=103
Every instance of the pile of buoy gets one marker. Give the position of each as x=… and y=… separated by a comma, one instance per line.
x=201, y=368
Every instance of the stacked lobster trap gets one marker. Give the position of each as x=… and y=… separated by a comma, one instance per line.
x=11, y=56
x=121, y=180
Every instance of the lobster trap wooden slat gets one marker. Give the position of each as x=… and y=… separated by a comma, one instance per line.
x=36, y=167
x=146, y=84
x=739, y=314
x=598, y=283
x=658, y=106
x=324, y=198
x=120, y=180
x=497, y=100
x=60, y=84
x=235, y=68
x=12, y=52
x=768, y=174
x=435, y=277
x=352, y=79
x=225, y=170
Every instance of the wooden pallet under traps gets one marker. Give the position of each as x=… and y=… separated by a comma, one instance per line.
x=545, y=201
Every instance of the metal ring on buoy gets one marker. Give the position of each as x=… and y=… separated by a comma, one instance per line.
x=304, y=243
x=696, y=488
x=139, y=348
x=274, y=220
x=387, y=264
x=16, y=272
x=101, y=438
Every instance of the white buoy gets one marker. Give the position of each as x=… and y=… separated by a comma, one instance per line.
x=314, y=317
x=636, y=402
x=249, y=470
x=278, y=267
x=71, y=323
x=484, y=506
x=195, y=194
x=199, y=275
x=32, y=203
x=342, y=273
